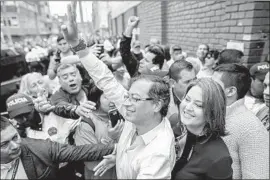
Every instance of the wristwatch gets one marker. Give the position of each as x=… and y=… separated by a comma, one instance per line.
x=80, y=46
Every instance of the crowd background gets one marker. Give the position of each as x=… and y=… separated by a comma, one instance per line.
x=155, y=111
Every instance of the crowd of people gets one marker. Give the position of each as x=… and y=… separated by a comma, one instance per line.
x=116, y=110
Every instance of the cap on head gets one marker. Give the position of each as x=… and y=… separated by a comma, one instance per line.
x=259, y=70
x=19, y=104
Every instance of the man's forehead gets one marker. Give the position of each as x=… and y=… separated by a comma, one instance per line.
x=8, y=133
x=68, y=70
x=202, y=46
x=62, y=41
x=140, y=87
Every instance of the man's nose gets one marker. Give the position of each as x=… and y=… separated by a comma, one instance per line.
x=266, y=91
x=70, y=79
x=14, y=145
x=127, y=102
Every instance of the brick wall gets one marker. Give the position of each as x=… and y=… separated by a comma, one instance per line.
x=190, y=23
x=150, y=20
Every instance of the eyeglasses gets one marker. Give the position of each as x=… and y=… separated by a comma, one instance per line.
x=136, y=99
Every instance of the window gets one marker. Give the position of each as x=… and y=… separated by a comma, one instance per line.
x=10, y=21
x=14, y=21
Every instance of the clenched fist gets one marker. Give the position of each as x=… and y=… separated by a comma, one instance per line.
x=133, y=21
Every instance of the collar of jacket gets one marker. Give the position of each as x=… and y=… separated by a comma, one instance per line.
x=71, y=97
x=28, y=163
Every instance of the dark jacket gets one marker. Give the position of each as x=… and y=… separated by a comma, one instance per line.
x=132, y=64
x=209, y=160
x=128, y=58
x=41, y=158
x=65, y=104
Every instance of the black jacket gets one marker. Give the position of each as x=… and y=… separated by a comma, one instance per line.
x=209, y=160
x=41, y=158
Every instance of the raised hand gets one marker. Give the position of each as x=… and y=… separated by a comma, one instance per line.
x=70, y=31
x=115, y=132
x=133, y=21
x=41, y=103
x=44, y=107
x=95, y=49
x=84, y=109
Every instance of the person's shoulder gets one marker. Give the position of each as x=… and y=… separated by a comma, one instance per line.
x=35, y=144
x=215, y=149
x=244, y=117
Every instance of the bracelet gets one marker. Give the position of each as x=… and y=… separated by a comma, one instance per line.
x=81, y=46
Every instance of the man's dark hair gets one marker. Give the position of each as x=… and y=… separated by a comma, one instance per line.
x=235, y=75
x=160, y=91
x=167, y=52
x=177, y=67
x=4, y=123
x=228, y=56
x=59, y=38
x=160, y=54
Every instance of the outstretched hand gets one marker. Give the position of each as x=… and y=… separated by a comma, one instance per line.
x=107, y=163
x=70, y=31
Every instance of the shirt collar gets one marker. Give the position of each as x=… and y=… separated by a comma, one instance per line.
x=233, y=106
x=150, y=135
x=8, y=166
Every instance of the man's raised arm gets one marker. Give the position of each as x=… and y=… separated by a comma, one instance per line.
x=98, y=71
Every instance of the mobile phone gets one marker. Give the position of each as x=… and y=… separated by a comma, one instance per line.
x=114, y=116
x=101, y=48
x=58, y=57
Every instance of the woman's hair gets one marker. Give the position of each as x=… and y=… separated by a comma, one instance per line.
x=214, y=105
x=94, y=95
x=24, y=86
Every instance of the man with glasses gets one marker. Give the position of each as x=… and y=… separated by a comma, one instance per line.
x=145, y=149
x=154, y=58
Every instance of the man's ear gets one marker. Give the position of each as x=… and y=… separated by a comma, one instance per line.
x=231, y=91
x=157, y=106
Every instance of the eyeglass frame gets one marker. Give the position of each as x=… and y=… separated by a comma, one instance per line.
x=132, y=99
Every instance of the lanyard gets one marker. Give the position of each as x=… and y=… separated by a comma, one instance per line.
x=15, y=169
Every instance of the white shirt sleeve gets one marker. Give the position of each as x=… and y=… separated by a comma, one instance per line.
x=103, y=78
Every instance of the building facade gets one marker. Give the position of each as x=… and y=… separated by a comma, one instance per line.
x=22, y=19
x=189, y=23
